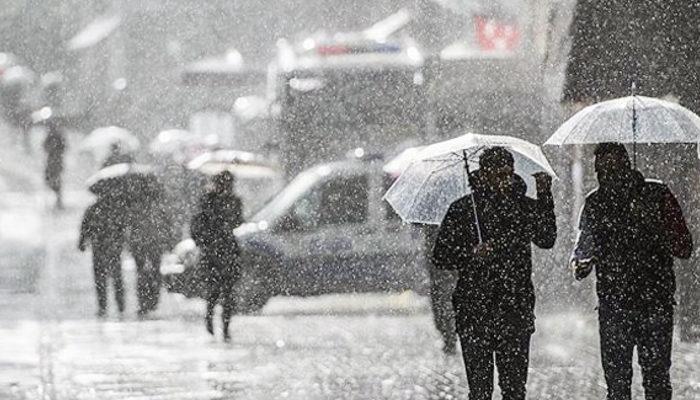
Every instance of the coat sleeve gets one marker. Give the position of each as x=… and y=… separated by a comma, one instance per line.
x=85, y=229
x=679, y=239
x=453, y=244
x=585, y=240
x=543, y=220
x=238, y=212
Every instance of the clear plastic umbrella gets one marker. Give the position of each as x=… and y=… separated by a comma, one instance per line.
x=438, y=175
x=633, y=119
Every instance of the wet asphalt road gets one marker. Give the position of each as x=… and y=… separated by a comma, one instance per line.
x=373, y=346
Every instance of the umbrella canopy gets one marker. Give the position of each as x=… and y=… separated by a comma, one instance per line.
x=129, y=181
x=633, y=119
x=438, y=177
x=398, y=164
x=241, y=164
x=100, y=140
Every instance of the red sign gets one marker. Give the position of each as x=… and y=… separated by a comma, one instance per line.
x=496, y=35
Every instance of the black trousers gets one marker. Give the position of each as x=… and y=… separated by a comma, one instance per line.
x=222, y=276
x=480, y=346
x=148, y=279
x=651, y=331
x=107, y=264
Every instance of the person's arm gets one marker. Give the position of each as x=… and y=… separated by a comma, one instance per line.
x=542, y=218
x=585, y=249
x=678, y=237
x=85, y=231
x=453, y=244
x=238, y=212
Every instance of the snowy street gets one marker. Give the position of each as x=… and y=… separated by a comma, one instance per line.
x=372, y=346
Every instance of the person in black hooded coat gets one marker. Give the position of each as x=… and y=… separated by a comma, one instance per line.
x=212, y=229
x=630, y=231
x=494, y=299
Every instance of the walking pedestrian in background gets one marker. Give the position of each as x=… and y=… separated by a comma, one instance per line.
x=150, y=234
x=212, y=230
x=55, y=148
x=103, y=229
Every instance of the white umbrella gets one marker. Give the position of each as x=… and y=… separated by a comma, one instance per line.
x=100, y=140
x=633, y=119
x=438, y=177
x=241, y=164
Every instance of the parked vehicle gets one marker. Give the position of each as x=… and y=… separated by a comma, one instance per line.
x=327, y=231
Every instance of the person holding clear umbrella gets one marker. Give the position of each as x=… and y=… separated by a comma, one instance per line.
x=487, y=237
x=630, y=230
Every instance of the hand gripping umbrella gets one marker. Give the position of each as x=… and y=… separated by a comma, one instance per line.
x=439, y=175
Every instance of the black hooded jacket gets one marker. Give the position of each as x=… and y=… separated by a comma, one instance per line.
x=496, y=289
x=633, y=229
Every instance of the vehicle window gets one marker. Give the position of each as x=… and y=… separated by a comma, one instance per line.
x=344, y=201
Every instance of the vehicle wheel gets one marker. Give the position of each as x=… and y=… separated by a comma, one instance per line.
x=255, y=286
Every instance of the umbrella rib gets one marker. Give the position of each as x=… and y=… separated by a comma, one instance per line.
x=425, y=181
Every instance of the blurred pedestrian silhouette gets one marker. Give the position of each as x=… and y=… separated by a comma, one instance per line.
x=150, y=234
x=630, y=230
x=103, y=228
x=55, y=148
x=442, y=285
x=212, y=230
x=494, y=299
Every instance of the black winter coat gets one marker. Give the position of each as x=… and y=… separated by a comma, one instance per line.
x=103, y=227
x=651, y=42
x=495, y=290
x=212, y=228
x=633, y=231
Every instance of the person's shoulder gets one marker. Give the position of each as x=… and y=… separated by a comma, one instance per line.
x=656, y=187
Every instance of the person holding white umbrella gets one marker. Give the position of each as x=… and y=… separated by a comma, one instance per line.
x=630, y=231
x=487, y=226
x=494, y=299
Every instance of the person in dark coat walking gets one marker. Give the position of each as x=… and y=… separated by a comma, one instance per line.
x=55, y=148
x=630, y=230
x=212, y=230
x=494, y=299
x=150, y=234
x=102, y=228
x=653, y=43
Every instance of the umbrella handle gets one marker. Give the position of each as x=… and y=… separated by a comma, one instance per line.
x=474, y=209
x=634, y=125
